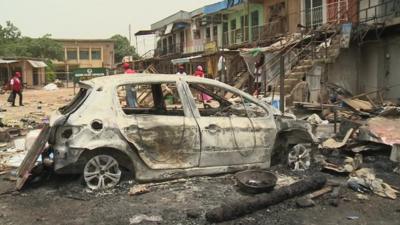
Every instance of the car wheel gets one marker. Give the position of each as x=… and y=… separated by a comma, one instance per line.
x=299, y=158
x=102, y=172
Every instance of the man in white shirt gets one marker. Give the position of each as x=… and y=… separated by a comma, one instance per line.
x=181, y=70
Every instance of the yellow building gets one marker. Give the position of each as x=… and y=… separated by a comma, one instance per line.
x=85, y=53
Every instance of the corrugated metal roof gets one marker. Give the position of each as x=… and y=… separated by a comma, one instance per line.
x=2, y=61
x=37, y=64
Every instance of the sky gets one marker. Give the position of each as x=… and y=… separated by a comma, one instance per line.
x=91, y=18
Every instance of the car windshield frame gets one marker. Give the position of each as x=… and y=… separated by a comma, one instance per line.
x=77, y=101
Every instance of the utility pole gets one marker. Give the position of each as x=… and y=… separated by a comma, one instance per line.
x=130, y=35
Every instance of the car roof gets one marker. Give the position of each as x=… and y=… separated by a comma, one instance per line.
x=122, y=79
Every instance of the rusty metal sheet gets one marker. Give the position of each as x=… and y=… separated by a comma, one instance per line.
x=24, y=171
x=385, y=129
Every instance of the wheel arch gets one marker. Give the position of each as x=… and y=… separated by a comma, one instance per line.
x=286, y=138
x=122, y=157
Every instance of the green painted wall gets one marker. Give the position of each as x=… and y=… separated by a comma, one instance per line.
x=238, y=14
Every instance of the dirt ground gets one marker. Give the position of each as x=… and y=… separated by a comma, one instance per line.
x=36, y=102
x=64, y=200
x=55, y=199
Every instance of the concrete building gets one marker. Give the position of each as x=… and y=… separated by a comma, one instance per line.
x=32, y=70
x=85, y=53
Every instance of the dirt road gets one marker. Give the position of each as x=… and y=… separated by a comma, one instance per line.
x=37, y=101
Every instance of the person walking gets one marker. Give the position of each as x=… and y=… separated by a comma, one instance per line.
x=16, y=88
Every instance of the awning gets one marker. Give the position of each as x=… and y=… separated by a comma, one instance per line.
x=184, y=60
x=37, y=64
x=2, y=61
x=169, y=28
x=145, y=32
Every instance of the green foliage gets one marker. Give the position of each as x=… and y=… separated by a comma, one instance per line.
x=50, y=74
x=122, y=48
x=12, y=44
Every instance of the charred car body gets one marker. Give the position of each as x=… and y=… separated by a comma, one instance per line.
x=165, y=127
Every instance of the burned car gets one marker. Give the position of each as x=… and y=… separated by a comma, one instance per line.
x=162, y=127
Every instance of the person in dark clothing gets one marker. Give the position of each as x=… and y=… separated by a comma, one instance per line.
x=16, y=88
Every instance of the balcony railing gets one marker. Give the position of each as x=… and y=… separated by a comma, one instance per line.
x=373, y=11
x=335, y=12
x=169, y=50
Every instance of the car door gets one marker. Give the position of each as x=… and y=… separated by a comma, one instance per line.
x=227, y=138
x=162, y=127
x=265, y=130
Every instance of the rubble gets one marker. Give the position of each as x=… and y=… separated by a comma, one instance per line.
x=332, y=144
x=141, y=218
x=50, y=87
x=307, y=201
x=365, y=181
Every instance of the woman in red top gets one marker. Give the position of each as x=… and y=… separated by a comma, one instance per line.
x=200, y=73
x=16, y=87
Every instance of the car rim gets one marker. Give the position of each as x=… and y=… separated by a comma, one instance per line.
x=102, y=172
x=299, y=158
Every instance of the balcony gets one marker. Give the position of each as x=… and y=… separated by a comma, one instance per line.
x=378, y=12
x=253, y=34
x=332, y=13
x=169, y=50
x=236, y=37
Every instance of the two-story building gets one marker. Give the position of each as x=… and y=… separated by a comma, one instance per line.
x=85, y=53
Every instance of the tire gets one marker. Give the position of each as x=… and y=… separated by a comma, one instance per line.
x=102, y=171
x=299, y=158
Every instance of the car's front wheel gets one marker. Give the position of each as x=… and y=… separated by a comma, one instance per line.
x=102, y=172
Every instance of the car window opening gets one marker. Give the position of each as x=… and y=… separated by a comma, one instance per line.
x=76, y=101
x=154, y=99
x=220, y=102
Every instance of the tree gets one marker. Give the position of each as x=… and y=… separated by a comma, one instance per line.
x=9, y=33
x=123, y=48
x=44, y=47
x=12, y=44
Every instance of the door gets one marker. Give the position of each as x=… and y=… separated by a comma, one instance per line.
x=35, y=77
x=160, y=126
x=227, y=133
x=264, y=130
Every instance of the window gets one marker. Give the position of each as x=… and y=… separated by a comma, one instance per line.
x=76, y=102
x=208, y=33
x=96, y=54
x=214, y=101
x=156, y=99
x=72, y=54
x=215, y=33
x=233, y=24
x=84, y=54
x=225, y=27
x=255, y=18
x=196, y=34
x=244, y=21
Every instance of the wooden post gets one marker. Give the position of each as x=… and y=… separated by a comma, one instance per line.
x=282, y=85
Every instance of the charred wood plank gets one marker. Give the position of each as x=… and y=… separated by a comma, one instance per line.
x=249, y=205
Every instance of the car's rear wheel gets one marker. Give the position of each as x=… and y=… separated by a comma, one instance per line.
x=299, y=158
x=102, y=172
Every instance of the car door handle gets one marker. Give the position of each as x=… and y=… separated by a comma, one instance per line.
x=212, y=128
